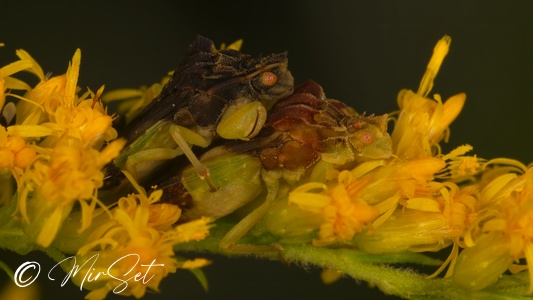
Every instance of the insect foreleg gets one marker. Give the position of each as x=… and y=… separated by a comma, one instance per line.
x=242, y=121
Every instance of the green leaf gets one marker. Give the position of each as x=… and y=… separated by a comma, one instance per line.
x=12, y=235
x=200, y=275
x=7, y=269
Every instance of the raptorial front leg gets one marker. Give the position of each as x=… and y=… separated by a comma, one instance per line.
x=242, y=122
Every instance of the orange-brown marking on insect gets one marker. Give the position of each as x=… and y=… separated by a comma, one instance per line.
x=269, y=78
x=367, y=137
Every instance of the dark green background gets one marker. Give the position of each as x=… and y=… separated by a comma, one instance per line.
x=361, y=52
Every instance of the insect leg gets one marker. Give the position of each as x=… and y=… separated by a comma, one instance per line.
x=242, y=121
x=134, y=163
x=229, y=241
x=202, y=171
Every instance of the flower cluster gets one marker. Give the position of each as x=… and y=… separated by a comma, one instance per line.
x=423, y=200
x=139, y=239
x=54, y=145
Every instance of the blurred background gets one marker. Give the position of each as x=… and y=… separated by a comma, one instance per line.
x=361, y=52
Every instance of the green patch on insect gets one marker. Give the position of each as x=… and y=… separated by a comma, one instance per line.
x=236, y=176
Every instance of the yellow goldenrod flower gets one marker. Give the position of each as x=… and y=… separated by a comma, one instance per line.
x=502, y=232
x=426, y=223
x=368, y=195
x=459, y=206
x=7, y=82
x=432, y=214
x=47, y=92
x=408, y=201
x=459, y=166
x=137, y=240
x=15, y=156
x=57, y=141
x=54, y=109
x=342, y=217
x=343, y=208
x=161, y=216
x=57, y=179
x=422, y=123
x=14, y=152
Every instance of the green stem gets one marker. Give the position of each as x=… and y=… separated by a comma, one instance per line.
x=376, y=270
x=399, y=282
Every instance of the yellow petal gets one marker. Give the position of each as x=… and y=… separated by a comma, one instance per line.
x=195, y=263
x=2, y=91
x=366, y=167
x=16, y=84
x=49, y=225
x=35, y=68
x=309, y=201
x=29, y=130
x=15, y=67
x=72, y=74
x=492, y=189
x=121, y=94
x=424, y=167
x=423, y=204
x=452, y=108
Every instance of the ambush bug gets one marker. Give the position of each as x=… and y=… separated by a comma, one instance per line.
x=212, y=94
x=304, y=135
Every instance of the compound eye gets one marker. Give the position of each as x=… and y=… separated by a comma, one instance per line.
x=366, y=137
x=268, y=79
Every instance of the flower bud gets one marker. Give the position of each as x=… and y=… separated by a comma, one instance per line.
x=483, y=264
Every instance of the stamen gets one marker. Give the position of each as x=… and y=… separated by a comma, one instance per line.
x=439, y=53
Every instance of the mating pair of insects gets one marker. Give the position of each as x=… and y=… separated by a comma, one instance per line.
x=228, y=128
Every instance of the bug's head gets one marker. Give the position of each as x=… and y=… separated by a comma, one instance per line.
x=369, y=137
x=272, y=79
